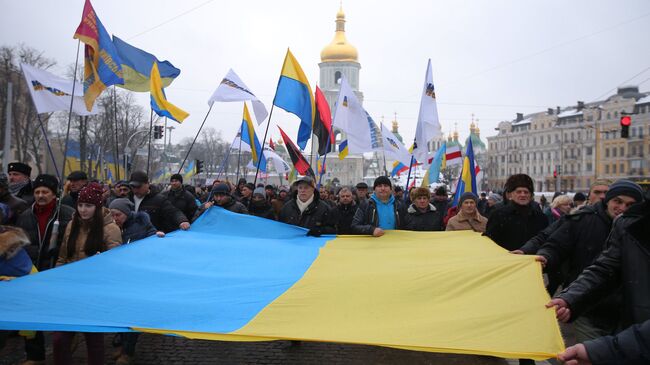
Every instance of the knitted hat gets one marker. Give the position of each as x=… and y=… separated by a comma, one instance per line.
x=178, y=177
x=260, y=191
x=20, y=167
x=624, y=187
x=420, y=192
x=123, y=205
x=48, y=181
x=496, y=197
x=221, y=189
x=382, y=180
x=519, y=181
x=467, y=195
x=91, y=194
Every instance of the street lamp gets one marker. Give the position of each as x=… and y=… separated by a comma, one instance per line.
x=127, y=150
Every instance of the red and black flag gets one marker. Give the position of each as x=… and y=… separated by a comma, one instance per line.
x=299, y=161
x=323, y=124
x=271, y=144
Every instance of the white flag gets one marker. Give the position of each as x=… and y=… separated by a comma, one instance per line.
x=52, y=93
x=280, y=165
x=238, y=142
x=362, y=133
x=232, y=88
x=393, y=148
x=428, y=126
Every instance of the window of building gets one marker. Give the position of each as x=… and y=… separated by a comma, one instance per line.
x=589, y=151
x=614, y=169
x=614, y=152
x=622, y=154
x=607, y=169
x=589, y=168
x=622, y=169
x=615, y=114
x=337, y=77
x=607, y=152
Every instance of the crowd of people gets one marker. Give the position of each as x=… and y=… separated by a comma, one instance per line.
x=595, y=248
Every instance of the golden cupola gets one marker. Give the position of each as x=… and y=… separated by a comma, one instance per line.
x=339, y=50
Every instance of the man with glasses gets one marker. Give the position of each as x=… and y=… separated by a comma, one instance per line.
x=164, y=216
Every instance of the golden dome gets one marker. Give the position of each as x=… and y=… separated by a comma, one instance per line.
x=339, y=50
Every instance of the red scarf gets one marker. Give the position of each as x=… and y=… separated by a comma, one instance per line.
x=43, y=214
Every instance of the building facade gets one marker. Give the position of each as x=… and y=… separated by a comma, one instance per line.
x=566, y=149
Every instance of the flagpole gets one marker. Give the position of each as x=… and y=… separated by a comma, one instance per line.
x=266, y=132
x=221, y=168
x=47, y=141
x=150, y=129
x=116, y=155
x=385, y=169
x=195, y=137
x=408, y=178
x=320, y=178
x=67, y=133
x=241, y=133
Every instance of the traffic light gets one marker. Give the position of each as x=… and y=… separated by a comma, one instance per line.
x=555, y=173
x=158, y=131
x=626, y=121
x=199, y=166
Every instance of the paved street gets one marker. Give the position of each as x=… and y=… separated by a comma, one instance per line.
x=155, y=349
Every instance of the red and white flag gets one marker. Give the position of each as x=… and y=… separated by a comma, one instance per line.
x=453, y=156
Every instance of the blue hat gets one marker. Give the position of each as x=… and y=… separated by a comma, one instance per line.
x=624, y=187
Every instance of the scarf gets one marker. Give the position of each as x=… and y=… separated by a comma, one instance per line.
x=16, y=187
x=303, y=206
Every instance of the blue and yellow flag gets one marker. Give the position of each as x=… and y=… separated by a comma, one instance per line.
x=467, y=179
x=433, y=173
x=249, y=137
x=294, y=95
x=221, y=280
x=102, y=64
x=136, y=67
x=159, y=102
x=343, y=149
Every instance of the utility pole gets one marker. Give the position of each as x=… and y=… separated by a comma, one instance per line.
x=6, y=154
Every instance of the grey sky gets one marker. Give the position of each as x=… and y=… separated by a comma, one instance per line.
x=493, y=59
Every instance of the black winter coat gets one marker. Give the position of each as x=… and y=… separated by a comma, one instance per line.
x=164, y=216
x=317, y=216
x=136, y=227
x=184, y=201
x=626, y=262
x=263, y=210
x=71, y=199
x=415, y=220
x=38, y=249
x=344, y=216
x=512, y=225
x=630, y=347
x=234, y=206
x=366, y=218
x=26, y=193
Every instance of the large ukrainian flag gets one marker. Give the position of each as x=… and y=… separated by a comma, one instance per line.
x=243, y=278
x=136, y=67
x=294, y=95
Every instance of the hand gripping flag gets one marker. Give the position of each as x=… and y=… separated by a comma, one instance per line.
x=52, y=93
x=299, y=161
x=159, y=102
x=102, y=64
x=323, y=124
x=294, y=95
x=232, y=88
x=428, y=125
x=136, y=67
x=467, y=178
x=249, y=137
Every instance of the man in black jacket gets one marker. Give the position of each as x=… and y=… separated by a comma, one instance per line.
x=20, y=184
x=379, y=212
x=164, y=216
x=181, y=198
x=580, y=240
x=625, y=263
x=77, y=180
x=307, y=210
x=344, y=210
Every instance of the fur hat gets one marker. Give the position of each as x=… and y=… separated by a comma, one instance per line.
x=91, y=194
x=20, y=167
x=519, y=181
x=48, y=181
x=419, y=192
x=12, y=239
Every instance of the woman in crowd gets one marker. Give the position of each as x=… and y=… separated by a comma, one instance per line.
x=421, y=214
x=468, y=217
x=91, y=231
x=560, y=206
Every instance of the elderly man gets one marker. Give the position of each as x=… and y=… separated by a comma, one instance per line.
x=77, y=180
x=307, y=210
x=164, y=216
x=344, y=211
x=380, y=212
x=20, y=184
x=468, y=217
x=362, y=192
x=579, y=241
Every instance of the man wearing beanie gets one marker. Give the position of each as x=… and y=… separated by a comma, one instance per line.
x=45, y=237
x=16, y=205
x=181, y=198
x=578, y=241
x=221, y=197
x=468, y=217
x=379, y=212
x=19, y=181
x=421, y=215
x=260, y=206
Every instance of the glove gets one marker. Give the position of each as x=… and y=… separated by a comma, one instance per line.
x=314, y=232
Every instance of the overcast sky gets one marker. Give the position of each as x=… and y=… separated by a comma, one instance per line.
x=490, y=58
